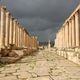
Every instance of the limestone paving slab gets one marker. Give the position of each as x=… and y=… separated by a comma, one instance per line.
x=45, y=65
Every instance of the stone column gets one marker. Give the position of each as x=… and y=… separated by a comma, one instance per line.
x=11, y=31
x=73, y=32
x=18, y=35
x=57, y=41
x=70, y=34
x=34, y=42
x=63, y=37
x=67, y=34
x=77, y=26
x=14, y=32
x=23, y=37
x=60, y=37
x=7, y=29
x=2, y=28
x=30, y=42
x=27, y=41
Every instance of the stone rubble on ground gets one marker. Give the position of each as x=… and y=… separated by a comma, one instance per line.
x=44, y=65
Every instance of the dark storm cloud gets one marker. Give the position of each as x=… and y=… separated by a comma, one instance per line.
x=41, y=17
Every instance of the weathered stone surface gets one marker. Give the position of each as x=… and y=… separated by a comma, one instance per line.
x=19, y=52
x=2, y=75
x=9, y=78
x=24, y=75
x=8, y=59
x=4, y=52
x=45, y=65
x=13, y=54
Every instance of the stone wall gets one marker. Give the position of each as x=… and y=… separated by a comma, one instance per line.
x=70, y=54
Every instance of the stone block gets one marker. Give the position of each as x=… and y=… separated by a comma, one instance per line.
x=2, y=75
x=12, y=54
x=9, y=78
x=8, y=59
x=24, y=75
x=8, y=71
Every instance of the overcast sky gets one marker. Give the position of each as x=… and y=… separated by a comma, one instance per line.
x=42, y=18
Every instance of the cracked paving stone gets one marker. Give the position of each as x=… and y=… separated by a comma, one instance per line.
x=45, y=65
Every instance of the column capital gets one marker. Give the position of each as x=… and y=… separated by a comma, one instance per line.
x=3, y=8
x=15, y=20
x=7, y=13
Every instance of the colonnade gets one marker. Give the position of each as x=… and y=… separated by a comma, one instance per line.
x=13, y=33
x=69, y=34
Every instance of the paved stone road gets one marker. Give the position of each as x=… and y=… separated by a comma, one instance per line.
x=45, y=65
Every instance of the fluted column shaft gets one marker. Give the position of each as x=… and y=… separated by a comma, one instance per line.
x=2, y=28
x=77, y=28
x=73, y=33
x=11, y=31
x=21, y=37
x=7, y=29
x=64, y=37
x=14, y=31
x=67, y=35
x=18, y=35
x=70, y=34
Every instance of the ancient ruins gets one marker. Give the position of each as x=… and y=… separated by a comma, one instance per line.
x=13, y=35
x=67, y=40
x=48, y=63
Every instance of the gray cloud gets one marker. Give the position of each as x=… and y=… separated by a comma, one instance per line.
x=41, y=17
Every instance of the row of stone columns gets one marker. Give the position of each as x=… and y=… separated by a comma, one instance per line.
x=69, y=34
x=12, y=32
